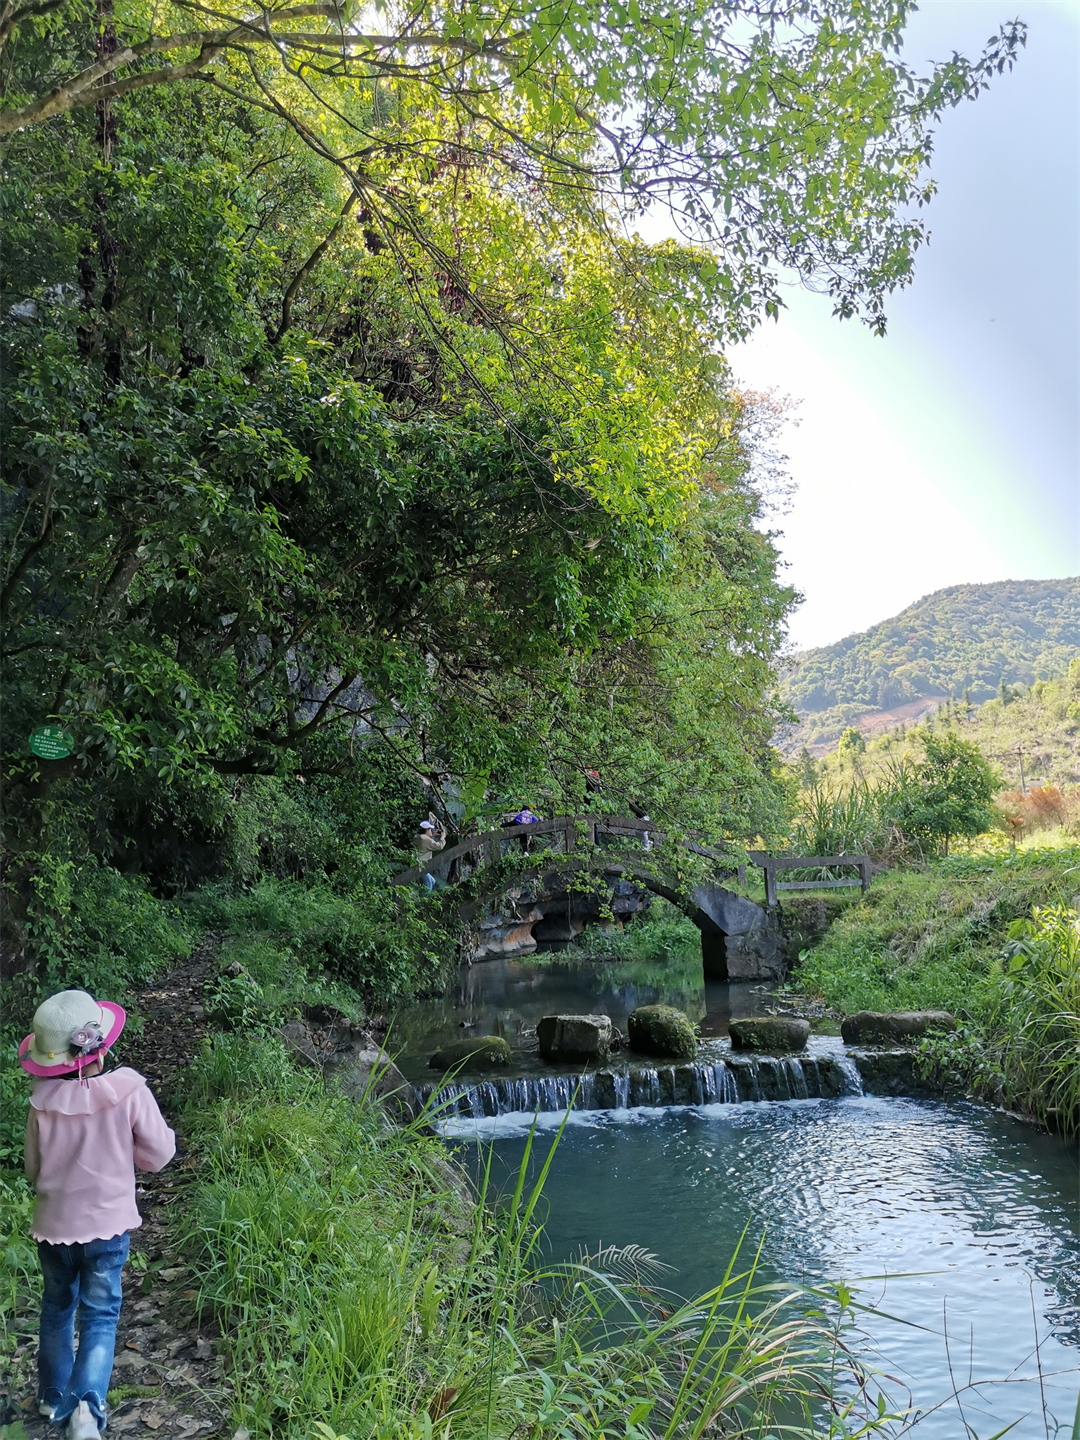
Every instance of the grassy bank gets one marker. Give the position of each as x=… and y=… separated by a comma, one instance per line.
x=990, y=937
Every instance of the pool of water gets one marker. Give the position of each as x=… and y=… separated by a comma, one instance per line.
x=958, y=1225
x=508, y=997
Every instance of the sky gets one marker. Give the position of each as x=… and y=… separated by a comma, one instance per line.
x=947, y=452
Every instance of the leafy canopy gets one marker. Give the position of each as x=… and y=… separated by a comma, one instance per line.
x=779, y=135
x=234, y=549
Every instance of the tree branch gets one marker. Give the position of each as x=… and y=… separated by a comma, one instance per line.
x=12, y=17
x=24, y=560
x=82, y=89
x=307, y=267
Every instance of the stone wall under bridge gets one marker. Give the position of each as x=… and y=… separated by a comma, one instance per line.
x=545, y=909
x=739, y=940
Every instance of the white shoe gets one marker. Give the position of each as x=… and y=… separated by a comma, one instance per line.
x=83, y=1424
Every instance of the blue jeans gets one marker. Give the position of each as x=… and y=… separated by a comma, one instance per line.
x=84, y=1277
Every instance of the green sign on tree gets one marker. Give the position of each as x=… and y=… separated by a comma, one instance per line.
x=51, y=742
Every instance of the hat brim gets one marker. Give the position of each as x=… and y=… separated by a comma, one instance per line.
x=115, y=1014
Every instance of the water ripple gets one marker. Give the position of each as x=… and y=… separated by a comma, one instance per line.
x=970, y=1217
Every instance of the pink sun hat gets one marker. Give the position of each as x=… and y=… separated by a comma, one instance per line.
x=71, y=1029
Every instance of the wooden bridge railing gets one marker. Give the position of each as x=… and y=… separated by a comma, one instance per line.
x=772, y=863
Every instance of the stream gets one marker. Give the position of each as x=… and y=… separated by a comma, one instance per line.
x=956, y=1224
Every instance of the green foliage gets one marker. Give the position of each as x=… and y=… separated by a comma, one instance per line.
x=20, y=1278
x=852, y=745
x=268, y=586
x=1037, y=729
x=1033, y=1029
x=910, y=807
x=951, y=794
x=234, y=1066
x=237, y=1002
x=795, y=138
x=838, y=821
x=94, y=929
x=967, y=638
x=929, y=938
x=386, y=945
x=957, y=936
x=664, y=935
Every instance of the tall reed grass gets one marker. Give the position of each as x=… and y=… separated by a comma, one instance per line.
x=860, y=818
x=1033, y=1030
x=367, y=1291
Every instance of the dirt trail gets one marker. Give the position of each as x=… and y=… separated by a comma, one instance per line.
x=168, y=1375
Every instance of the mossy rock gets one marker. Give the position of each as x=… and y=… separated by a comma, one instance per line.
x=481, y=1052
x=893, y=1027
x=663, y=1032
x=772, y=1034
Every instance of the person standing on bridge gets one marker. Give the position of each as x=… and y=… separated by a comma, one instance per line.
x=525, y=816
x=430, y=840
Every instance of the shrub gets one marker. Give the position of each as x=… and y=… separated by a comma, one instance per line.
x=237, y=1002
x=387, y=944
x=95, y=929
x=951, y=794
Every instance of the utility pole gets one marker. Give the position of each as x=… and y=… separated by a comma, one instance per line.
x=1023, y=782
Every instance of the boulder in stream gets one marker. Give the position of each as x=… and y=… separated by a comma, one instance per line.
x=662, y=1031
x=771, y=1034
x=479, y=1052
x=574, y=1039
x=872, y=1027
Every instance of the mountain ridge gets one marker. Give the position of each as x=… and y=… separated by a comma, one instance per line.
x=963, y=638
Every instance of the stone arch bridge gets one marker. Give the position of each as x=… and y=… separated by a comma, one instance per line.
x=739, y=939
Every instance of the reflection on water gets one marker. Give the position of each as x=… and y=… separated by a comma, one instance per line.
x=508, y=997
x=972, y=1215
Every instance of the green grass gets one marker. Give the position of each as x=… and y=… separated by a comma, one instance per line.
x=663, y=934
x=929, y=936
x=945, y=936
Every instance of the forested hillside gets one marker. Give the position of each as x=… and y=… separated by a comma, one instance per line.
x=966, y=639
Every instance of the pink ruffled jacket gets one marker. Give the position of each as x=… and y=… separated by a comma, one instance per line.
x=83, y=1143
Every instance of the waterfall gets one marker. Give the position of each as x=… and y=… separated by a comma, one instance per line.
x=850, y=1072
x=723, y=1082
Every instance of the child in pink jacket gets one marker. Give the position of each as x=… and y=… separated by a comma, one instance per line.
x=86, y=1132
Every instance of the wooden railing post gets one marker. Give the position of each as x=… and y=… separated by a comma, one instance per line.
x=770, y=884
